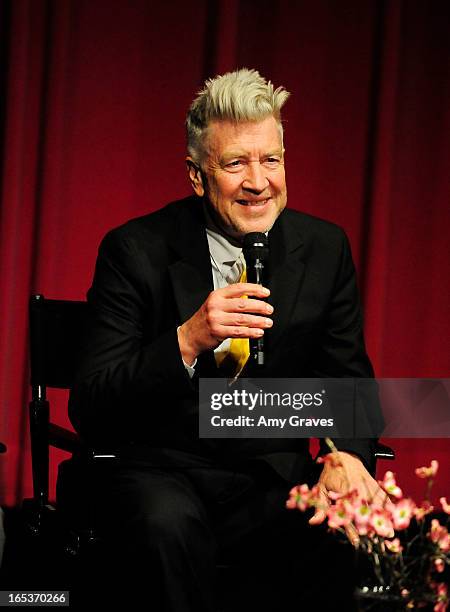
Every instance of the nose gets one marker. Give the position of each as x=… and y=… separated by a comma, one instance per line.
x=255, y=178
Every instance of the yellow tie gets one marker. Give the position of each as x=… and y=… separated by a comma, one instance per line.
x=235, y=359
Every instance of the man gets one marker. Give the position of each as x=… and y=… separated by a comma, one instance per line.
x=167, y=304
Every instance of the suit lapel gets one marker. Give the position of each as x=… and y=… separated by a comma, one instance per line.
x=286, y=271
x=190, y=272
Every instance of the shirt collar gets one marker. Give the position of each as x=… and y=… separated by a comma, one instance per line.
x=221, y=249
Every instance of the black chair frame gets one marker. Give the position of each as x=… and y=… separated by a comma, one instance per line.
x=57, y=328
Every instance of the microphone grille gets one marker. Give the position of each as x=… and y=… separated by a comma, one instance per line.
x=255, y=245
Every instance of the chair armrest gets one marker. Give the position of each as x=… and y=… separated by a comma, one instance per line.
x=384, y=452
x=63, y=438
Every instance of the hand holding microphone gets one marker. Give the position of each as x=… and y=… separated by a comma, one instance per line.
x=256, y=254
x=226, y=314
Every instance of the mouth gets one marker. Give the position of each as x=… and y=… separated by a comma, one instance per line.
x=257, y=202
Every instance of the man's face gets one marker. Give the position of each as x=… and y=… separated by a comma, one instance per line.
x=243, y=177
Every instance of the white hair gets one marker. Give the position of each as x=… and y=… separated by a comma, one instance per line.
x=243, y=95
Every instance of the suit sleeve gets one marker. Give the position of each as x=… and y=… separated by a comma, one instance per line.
x=341, y=350
x=122, y=372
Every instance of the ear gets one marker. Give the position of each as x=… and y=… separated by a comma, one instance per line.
x=195, y=176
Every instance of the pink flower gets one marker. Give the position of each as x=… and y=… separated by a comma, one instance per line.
x=424, y=509
x=361, y=516
x=401, y=513
x=390, y=486
x=339, y=514
x=428, y=472
x=382, y=524
x=439, y=535
x=393, y=545
x=377, y=524
x=442, y=601
x=436, y=531
x=348, y=499
x=444, y=543
x=299, y=497
x=350, y=495
x=441, y=606
x=445, y=505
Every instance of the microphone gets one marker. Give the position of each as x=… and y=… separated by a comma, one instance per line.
x=256, y=254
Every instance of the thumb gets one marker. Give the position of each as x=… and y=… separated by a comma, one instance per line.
x=318, y=517
x=321, y=509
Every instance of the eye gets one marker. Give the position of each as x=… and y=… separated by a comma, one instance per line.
x=235, y=165
x=272, y=161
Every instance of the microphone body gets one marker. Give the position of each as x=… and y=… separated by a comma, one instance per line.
x=256, y=253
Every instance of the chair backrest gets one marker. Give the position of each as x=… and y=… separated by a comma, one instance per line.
x=57, y=329
x=57, y=332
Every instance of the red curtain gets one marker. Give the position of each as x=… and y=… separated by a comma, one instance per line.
x=94, y=94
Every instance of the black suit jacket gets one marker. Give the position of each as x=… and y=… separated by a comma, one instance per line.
x=133, y=392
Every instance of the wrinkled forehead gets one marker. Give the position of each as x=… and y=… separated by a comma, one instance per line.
x=243, y=136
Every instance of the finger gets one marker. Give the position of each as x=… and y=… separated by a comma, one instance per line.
x=237, y=289
x=379, y=497
x=240, y=332
x=318, y=517
x=244, y=320
x=242, y=304
x=321, y=512
x=352, y=535
x=383, y=499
